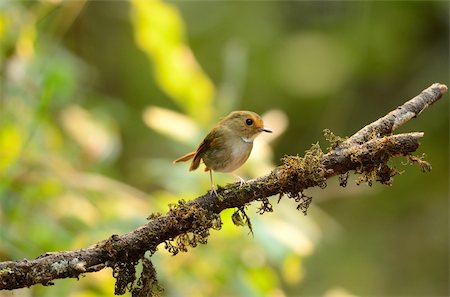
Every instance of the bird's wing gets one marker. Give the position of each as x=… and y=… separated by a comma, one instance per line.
x=214, y=139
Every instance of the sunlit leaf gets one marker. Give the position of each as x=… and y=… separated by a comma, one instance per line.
x=99, y=141
x=338, y=292
x=159, y=32
x=292, y=269
x=290, y=236
x=171, y=123
x=11, y=141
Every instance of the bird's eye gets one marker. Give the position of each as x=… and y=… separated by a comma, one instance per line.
x=249, y=122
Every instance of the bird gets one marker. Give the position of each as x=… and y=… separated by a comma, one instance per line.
x=228, y=145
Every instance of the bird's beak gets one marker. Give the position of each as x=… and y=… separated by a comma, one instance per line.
x=266, y=130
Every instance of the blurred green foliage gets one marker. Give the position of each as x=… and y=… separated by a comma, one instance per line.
x=98, y=97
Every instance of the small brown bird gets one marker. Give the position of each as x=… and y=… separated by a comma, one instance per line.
x=228, y=145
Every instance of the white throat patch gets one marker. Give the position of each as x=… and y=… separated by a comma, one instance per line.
x=247, y=139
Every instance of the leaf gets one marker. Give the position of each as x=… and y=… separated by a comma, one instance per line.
x=159, y=32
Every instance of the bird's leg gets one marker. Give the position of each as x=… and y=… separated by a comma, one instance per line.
x=213, y=188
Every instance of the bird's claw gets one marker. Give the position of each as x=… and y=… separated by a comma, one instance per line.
x=213, y=191
x=241, y=181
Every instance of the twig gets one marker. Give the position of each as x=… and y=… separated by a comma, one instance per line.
x=401, y=115
x=187, y=224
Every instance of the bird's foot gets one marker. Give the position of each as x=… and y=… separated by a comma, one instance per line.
x=241, y=181
x=213, y=191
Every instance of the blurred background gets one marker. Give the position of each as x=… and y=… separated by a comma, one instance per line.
x=98, y=97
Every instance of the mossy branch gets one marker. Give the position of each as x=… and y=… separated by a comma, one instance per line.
x=188, y=223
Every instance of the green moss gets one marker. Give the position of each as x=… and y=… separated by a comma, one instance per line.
x=154, y=215
x=240, y=218
x=265, y=206
x=343, y=179
x=5, y=271
x=125, y=275
x=299, y=173
x=333, y=139
x=196, y=223
x=237, y=219
x=147, y=284
x=424, y=165
x=383, y=174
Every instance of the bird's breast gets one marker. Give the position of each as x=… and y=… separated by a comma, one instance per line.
x=230, y=157
x=240, y=151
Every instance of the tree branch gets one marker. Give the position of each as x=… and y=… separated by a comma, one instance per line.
x=188, y=223
x=401, y=115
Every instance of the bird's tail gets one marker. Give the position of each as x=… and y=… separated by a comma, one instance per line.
x=195, y=163
x=185, y=158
